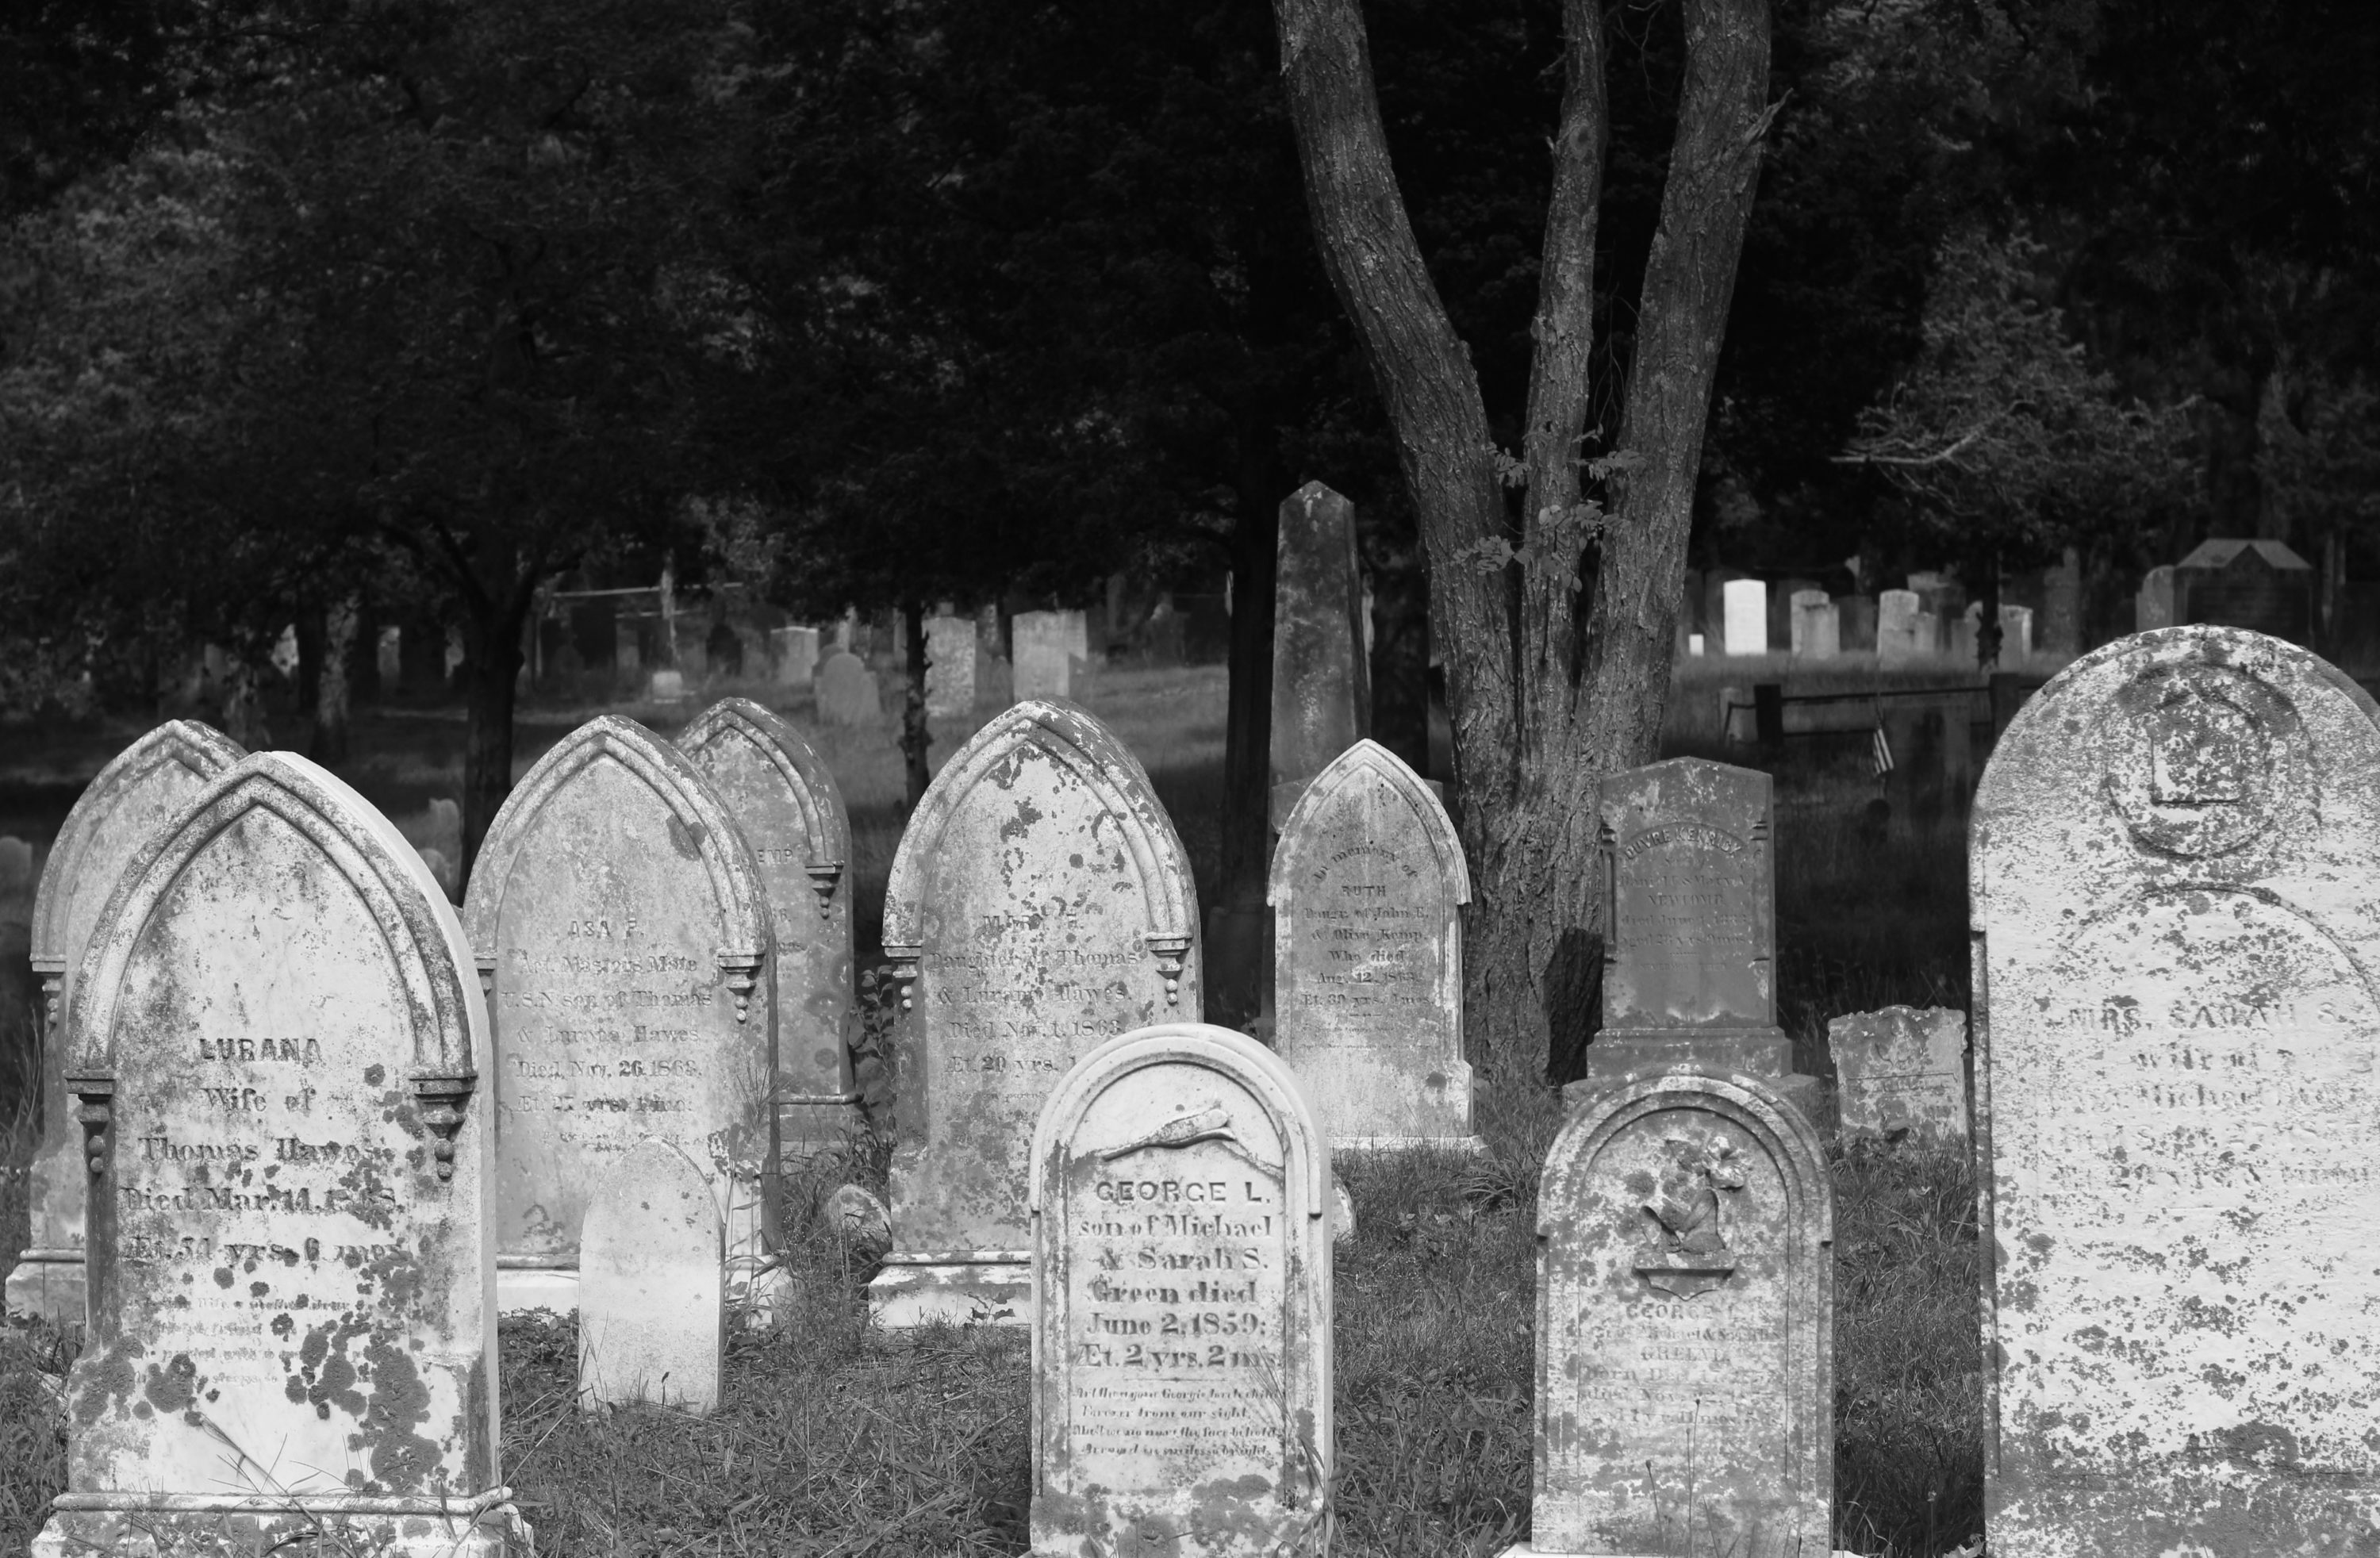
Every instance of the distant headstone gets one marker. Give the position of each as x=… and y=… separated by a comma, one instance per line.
x=1855, y=624
x=1039, y=904
x=1690, y=955
x=668, y=687
x=1895, y=626
x=1747, y=617
x=445, y=816
x=388, y=657
x=950, y=667
x=2176, y=906
x=846, y=691
x=1182, y=1396
x=442, y=869
x=1901, y=1073
x=1964, y=629
x=2153, y=607
x=1808, y=606
x=1926, y=630
x=127, y=805
x=1321, y=681
x=280, y=1052
x=1695, y=644
x=2257, y=584
x=2016, y=632
x=16, y=882
x=651, y=1314
x=1783, y=597
x=1685, y=1359
x=624, y=936
x=795, y=654
x=1368, y=886
x=791, y=813
x=2061, y=612
x=1052, y=649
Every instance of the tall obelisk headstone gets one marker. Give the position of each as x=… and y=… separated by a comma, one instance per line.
x=2176, y=890
x=1368, y=883
x=1685, y=1326
x=125, y=806
x=623, y=934
x=1040, y=905
x=1690, y=938
x=1321, y=680
x=280, y=1055
x=1182, y=1303
x=791, y=813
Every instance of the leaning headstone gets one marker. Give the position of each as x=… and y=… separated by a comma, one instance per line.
x=1690, y=956
x=651, y=1315
x=623, y=935
x=1039, y=904
x=1747, y=617
x=1685, y=1326
x=792, y=815
x=846, y=691
x=1895, y=626
x=281, y=1059
x=1321, y=680
x=950, y=665
x=1182, y=1303
x=1368, y=886
x=1901, y=1074
x=125, y=806
x=796, y=651
x=2176, y=903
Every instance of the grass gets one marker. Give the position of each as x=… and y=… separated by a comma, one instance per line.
x=833, y=1439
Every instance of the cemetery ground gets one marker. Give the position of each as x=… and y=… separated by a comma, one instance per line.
x=835, y=1439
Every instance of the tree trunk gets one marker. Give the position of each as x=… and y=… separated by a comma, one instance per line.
x=309, y=632
x=491, y=671
x=1551, y=686
x=1399, y=657
x=328, y=744
x=914, y=738
x=1236, y=954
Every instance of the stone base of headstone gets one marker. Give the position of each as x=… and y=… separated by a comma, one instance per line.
x=48, y=1282
x=1764, y=1052
x=522, y=1288
x=906, y=1295
x=815, y=1128
x=1409, y=1144
x=146, y=1526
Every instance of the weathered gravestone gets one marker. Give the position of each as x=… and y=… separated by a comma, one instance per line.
x=795, y=650
x=280, y=1055
x=1690, y=955
x=1053, y=650
x=792, y=815
x=2176, y=911
x=2152, y=606
x=950, y=665
x=1368, y=886
x=1895, y=626
x=1901, y=1073
x=1747, y=617
x=2016, y=632
x=651, y=1308
x=1685, y=1326
x=1321, y=680
x=1182, y=1304
x=125, y=807
x=1817, y=629
x=846, y=691
x=1039, y=904
x=623, y=934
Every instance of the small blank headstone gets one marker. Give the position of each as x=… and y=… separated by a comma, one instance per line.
x=1685, y=1316
x=2176, y=904
x=1895, y=626
x=795, y=652
x=1051, y=649
x=1181, y=1398
x=2016, y=632
x=950, y=665
x=846, y=691
x=1367, y=888
x=1901, y=1074
x=650, y=1304
x=668, y=687
x=1747, y=617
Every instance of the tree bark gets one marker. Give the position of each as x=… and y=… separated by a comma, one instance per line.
x=914, y=738
x=1239, y=921
x=491, y=664
x=1560, y=647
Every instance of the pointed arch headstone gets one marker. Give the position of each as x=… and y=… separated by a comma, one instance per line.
x=1685, y=1324
x=1039, y=904
x=1182, y=1389
x=623, y=934
x=279, y=1051
x=792, y=815
x=1368, y=886
x=2175, y=883
x=123, y=807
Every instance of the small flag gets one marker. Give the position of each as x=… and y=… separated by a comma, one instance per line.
x=1880, y=756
